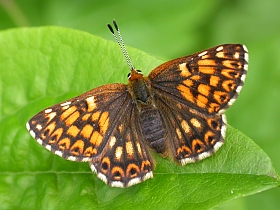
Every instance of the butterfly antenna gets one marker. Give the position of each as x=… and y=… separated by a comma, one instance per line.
x=120, y=43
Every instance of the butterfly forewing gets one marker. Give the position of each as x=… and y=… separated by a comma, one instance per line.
x=79, y=128
x=208, y=81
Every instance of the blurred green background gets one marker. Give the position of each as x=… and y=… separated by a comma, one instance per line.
x=170, y=29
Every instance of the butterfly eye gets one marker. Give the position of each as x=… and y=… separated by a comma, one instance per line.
x=128, y=76
x=140, y=72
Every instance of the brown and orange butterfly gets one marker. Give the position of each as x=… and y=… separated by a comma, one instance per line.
x=177, y=111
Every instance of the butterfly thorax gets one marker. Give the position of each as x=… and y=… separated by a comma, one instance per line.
x=139, y=88
x=150, y=120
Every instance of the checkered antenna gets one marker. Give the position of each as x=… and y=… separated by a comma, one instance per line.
x=121, y=43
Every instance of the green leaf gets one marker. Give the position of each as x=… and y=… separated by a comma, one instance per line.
x=43, y=66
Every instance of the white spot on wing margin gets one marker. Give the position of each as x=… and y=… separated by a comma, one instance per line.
x=65, y=103
x=202, y=53
x=220, y=48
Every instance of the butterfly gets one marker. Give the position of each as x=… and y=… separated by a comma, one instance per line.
x=177, y=111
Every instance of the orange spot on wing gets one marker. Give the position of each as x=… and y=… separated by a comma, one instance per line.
x=132, y=171
x=179, y=134
x=198, y=146
x=57, y=134
x=185, y=72
x=230, y=73
x=95, y=116
x=85, y=117
x=205, y=56
x=66, y=113
x=232, y=64
x=206, y=70
x=206, y=62
x=72, y=118
x=50, y=116
x=146, y=165
x=196, y=77
x=209, y=138
x=129, y=149
x=214, y=81
x=77, y=148
x=90, y=151
x=73, y=131
x=91, y=103
x=118, y=153
x=213, y=107
x=184, y=150
x=185, y=126
x=204, y=89
x=87, y=130
x=220, y=54
x=201, y=101
x=220, y=97
x=117, y=173
x=49, y=129
x=103, y=122
x=96, y=138
x=229, y=85
x=188, y=82
x=186, y=92
x=139, y=149
x=105, y=165
x=195, y=123
x=64, y=144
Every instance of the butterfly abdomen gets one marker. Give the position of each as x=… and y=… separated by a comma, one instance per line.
x=152, y=128
x=150, y=120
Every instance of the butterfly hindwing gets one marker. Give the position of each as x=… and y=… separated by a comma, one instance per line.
x=126, y=160
x=194, y=135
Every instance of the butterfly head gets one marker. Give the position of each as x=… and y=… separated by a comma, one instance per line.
x=134, y=75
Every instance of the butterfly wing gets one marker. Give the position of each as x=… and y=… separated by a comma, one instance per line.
x=96, y=126
x=208, y=81
x=191, y=136
x=192, y=93
x=78, y=129
x=126, y=161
